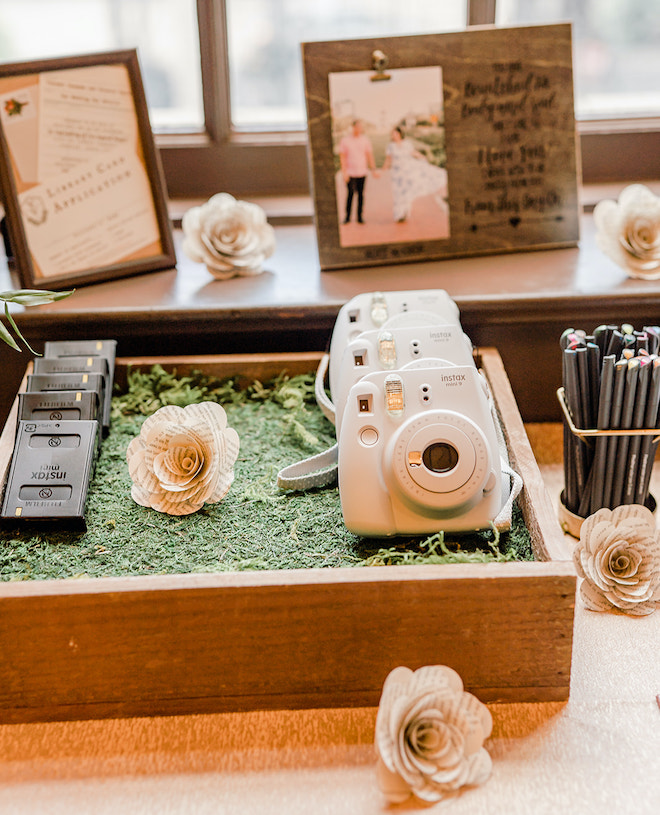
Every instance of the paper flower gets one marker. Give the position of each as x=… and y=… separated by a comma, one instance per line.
x=430, y=735
x=618, y=556
x=628, y=231
x=183, y=458
x=231, y=237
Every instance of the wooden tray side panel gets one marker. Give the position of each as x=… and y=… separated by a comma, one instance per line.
x=319, y=643
x=249, y=366
x=9, y=434
x=540, y=517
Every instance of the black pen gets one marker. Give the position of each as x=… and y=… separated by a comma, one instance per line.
x=594, y=371
x=601, y=338
x=603, y=422
x=570, y=476
x=639, y=411
x=632, y=376
x=620, y=368
x=574, y=402
x=566, y=337
x=653, y=332
x=616, y=343
x=584, y=419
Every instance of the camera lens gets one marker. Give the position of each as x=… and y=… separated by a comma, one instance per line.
x=440, y=457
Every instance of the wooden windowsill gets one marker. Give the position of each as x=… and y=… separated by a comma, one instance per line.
x=519, y=303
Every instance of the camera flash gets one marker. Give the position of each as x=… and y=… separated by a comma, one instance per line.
x=378, y=309
x=394, y=402
x=387, y=350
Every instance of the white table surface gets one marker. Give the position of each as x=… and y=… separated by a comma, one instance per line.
x=597, y=753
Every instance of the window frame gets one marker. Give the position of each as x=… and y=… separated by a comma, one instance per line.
x=275, y=163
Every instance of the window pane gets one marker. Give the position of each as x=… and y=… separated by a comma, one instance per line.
x=616, y=55
x=264, y=46
x=164, y=32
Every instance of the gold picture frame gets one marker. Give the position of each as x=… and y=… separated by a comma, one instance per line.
x=80, y=177
x=486, y=158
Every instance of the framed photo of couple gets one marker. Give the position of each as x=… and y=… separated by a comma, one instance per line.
x=442, y=145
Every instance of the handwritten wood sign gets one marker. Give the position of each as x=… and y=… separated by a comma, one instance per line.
x=442, y=145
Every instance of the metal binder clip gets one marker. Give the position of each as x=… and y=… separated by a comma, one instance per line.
x=379, y=62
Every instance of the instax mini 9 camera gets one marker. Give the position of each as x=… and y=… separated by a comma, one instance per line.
x=419, y=449
x=372, y=310
x=418, y=452
x=417, y=445
x=393, y=347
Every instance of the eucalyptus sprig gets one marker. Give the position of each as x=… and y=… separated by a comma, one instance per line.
x=25, y=297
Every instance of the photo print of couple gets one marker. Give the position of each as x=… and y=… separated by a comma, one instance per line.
x=389, y=146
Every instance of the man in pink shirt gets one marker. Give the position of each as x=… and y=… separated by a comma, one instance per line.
x=356, y=159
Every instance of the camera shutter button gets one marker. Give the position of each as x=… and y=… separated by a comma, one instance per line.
x=368, y=436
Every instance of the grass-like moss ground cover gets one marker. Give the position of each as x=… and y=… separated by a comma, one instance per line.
x=256, y=526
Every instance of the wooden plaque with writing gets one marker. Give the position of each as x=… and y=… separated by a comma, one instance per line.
x=484, y=159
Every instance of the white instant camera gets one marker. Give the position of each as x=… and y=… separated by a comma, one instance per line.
x=418, y=449
x=371, y=310
x=394, y=346
x=418, y=452
x=417, y=444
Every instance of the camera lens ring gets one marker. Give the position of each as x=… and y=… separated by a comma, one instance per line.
x=454, y=485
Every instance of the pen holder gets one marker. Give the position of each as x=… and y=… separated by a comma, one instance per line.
x=631, y=468
x=571, y=523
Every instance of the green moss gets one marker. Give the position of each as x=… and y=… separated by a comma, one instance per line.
x=256, y=526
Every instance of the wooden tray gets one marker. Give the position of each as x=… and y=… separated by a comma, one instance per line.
x=110, y=647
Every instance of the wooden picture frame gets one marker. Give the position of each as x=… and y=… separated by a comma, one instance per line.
x=80, y=178
x=490, y=109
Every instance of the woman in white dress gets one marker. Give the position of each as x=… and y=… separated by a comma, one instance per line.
x=412, y=175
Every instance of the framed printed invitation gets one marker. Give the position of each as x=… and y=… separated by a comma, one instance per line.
x=442, y=145
x=80, y=177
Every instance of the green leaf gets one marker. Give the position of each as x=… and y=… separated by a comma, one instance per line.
x=5, y=336
x=33, y=297
x=17, y=331
x=25, y=297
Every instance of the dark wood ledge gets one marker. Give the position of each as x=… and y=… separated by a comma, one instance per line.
x=519, y=303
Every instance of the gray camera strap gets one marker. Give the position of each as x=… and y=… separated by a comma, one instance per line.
x=504, y=516
x=321, y=470
x=317, y=471
x=322, y=398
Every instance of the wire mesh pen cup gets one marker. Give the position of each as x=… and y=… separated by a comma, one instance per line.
x=571, y=515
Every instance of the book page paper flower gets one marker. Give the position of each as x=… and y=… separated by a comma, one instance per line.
x=618, y=557
x=183, y=458
x=628, y=231
x=231, y=237
x=430, y=735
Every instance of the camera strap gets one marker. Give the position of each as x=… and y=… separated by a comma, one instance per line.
x=322, y=398
x=319, y=470
x=504, y=517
